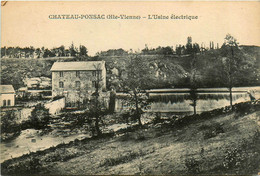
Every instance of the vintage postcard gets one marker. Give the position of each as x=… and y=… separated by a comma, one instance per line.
x=130, y=88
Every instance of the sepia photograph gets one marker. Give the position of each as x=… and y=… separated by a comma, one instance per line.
x=130, y=88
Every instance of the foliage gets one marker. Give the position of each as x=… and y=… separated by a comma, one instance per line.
x=138, y=77
x=192, y=165
x=119, y=159
x=39, y=117
x=113, y=52
x=182, y=121
x=83, y=51
x=9, y=122
x=31, y=165
x=96, y=104
x=212, y=130
x=171, y=69
x=233, y=158
x=189, y=48
x=60, y=154
x=31, y=52
x=159, y=50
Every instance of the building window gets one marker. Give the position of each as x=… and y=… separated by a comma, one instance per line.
x=4, y=102
x=77, y=74
x=61, y=84
x=94, y=84
x=9, y=102
x=77, y=84
x=96, y=73
x=61, y=74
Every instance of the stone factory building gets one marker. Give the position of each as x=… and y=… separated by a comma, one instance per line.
x=77, y=81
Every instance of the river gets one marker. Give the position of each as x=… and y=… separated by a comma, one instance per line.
x=163, y=100
x=31, y=140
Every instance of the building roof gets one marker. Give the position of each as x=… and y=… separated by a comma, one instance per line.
x=70, y=66
x=4, y=89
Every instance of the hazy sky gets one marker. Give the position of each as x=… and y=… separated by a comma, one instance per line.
x=28, y=24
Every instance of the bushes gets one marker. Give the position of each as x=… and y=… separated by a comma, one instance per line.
x=233, y=158
x=39, y=117
x=60, y=154
x=28, y=166
x=122, y=158
x=9, y=122
x=246, y=107
x=212, y=130
x=243, y=158
x=192, y=165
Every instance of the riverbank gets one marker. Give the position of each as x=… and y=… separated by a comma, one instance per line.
x=217, y=142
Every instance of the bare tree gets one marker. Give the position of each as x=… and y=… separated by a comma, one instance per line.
x=193, y=80
x=230, y=62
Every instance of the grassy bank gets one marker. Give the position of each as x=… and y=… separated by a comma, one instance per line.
x=224, y=143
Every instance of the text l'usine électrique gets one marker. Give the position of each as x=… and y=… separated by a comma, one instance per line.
x=121, y=17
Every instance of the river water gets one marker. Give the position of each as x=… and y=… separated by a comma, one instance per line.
x=163, y=100
x=31, y=140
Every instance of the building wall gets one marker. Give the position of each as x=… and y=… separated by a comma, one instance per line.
x=7, y=97
x=71, y=92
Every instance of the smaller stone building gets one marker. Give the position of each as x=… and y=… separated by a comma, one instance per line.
x=7, y=95
x=77, y=81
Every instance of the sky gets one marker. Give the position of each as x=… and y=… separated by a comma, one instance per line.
x=28, y=24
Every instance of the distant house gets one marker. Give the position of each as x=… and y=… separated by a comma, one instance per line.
x=7, y=95
x=77, y=80
x=37, y=83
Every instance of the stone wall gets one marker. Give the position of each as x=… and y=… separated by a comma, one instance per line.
x=72, y=93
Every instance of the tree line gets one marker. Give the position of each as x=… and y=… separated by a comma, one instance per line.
x=81, y=51
x=31, y=52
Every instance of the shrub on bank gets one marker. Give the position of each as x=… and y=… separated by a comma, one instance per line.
x=39, y=117
x=246, y=107
x=9, y=122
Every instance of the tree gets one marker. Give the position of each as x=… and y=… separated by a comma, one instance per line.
x=193, y=81
x=189, y=46
x=48, y=53
x=39, y=117
x=61, y=50
x=230, y=62
x=3, y=51
x=166, y=51
x=9, y=122
x=196, y=48
x=83, y=50
x=138, y=79
x=72, y=50
x=96, y=108
x=38, y=52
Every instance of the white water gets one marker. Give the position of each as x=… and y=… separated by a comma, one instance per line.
x=206, y=104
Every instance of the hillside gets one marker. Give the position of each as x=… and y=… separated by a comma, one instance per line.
x=173, y=70
x=228, y=143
